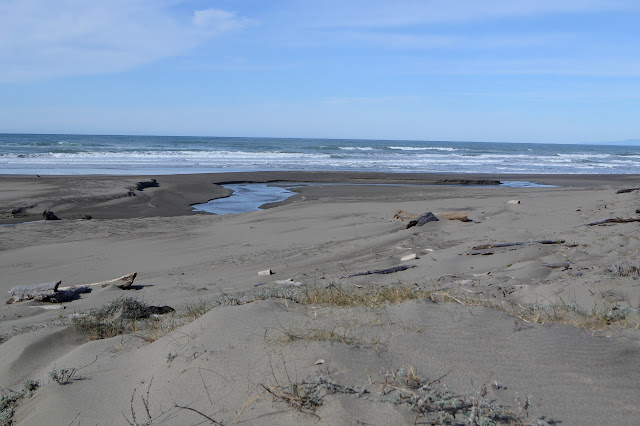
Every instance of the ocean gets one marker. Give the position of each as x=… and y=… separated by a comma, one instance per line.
x=91, y=154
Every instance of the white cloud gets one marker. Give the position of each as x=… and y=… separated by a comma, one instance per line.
x=219, y=20
x=42, y=39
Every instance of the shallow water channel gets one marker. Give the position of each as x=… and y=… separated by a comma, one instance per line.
x=246, y=197
x=250, y=197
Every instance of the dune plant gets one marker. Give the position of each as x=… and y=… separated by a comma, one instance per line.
x=10, y=400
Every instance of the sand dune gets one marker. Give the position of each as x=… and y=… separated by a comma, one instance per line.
x=497, y=326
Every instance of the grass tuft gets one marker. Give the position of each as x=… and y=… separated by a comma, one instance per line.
x=431, y=400
x=63, y=375
x=440, y=405
x=307, y=396
x=10, y=400
x=625, y=268
x=550, y=313
x=370, y=296
x=121, y=316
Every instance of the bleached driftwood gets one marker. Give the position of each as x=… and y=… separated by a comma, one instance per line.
x=517, y=243
x=52, y=292
x=613, y=220
x=290, y=281
x=402, y=215
x=461, y=216
x=37, y=292
x=123, y=282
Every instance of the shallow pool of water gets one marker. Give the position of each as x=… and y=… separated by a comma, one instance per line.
x=246, y=197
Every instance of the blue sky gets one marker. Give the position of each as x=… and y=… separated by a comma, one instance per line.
x=494, y=70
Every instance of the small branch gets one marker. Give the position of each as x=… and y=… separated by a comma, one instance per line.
x=518, y=243
x=613, y=220
x=205, y=385
x=440, y=378
x=133, y=412
x=289, y=399
x=74, y=419
x=146, y=402
x=85, y=366
x=199, y=412
x=382, y=271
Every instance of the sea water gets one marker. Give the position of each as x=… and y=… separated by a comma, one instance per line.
x=90, y=154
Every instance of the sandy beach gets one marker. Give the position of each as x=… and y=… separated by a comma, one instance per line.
x=473, y=328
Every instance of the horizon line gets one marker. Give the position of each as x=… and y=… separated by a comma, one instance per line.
x=624, y=142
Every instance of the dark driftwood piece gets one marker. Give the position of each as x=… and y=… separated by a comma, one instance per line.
x=49, y=215
x=382, y=271
x=563, y=265
x=613, y=220
x=37, y=292
x=517, y=243
x=140, y=186
x=623, y=191
x=467, y=182
x=480, y=253
x=422, y=219
x=69, y=294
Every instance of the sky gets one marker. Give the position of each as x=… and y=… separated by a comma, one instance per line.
x=555, y=71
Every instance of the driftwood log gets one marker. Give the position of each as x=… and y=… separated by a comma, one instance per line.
x=37, y=292
x=467, y=182
x=123, y=282
x=613, y=220
x=461, y=216
x=382, y=271
x=422, y=219
x=484, y=252
x=624, y=191
x=402, y=215
x=517, y=243
x=52, y=292
x=563, y=265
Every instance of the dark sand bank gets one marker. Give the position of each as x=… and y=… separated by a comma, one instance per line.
x=24, y=198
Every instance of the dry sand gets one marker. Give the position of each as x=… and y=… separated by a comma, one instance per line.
x=573, y=347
